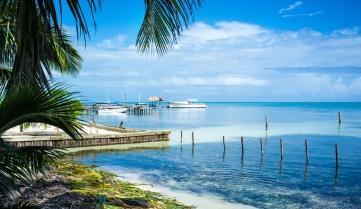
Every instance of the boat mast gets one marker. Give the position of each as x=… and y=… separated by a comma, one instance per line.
x=108, y=100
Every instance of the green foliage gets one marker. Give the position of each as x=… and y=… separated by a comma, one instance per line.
x=163, y=23
x=24, y=205
x=31, y=46
x=28, y=104
x=34, y=104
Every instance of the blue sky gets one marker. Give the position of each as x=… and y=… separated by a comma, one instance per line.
x=236, y=51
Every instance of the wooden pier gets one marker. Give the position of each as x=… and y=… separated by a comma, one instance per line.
x=104, y=135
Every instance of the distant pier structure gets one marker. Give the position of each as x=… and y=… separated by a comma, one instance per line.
x=139, y=108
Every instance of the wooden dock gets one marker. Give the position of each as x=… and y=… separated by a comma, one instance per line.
x=112, y=136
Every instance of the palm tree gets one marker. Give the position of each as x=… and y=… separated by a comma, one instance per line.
x=35, y=104
x=37, y=24
x=54, y=51
x=33, y=43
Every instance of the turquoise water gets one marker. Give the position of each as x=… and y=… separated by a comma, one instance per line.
x=263, y=181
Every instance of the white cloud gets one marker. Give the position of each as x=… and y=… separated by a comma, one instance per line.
x=223, y=80
x=114, y=42
x=229, y=59
x=356, y=85
x=294, y=6
x=291, y=7
x=347, y=31
x=311, y=14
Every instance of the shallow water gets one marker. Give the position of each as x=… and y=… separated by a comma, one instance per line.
x=263, y=181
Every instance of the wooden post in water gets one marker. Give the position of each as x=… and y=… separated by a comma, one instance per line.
x=261, y=142
x=242, y=147
x=266, y=122
x=339, y=118
x=281, y=149
x=306, y=150
x=336, y=155
x=224, y=145
x=192, y=139
x=181, y=136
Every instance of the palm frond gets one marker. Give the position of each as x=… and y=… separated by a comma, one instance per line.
x=67, y=59
x=54, y=53
x=7, y=38
x=40, y=43
x=25, y=204
x=5, y=75
x=38, y=104
x=34, y=104
x=163, y=23
x=51, y=14
x=21, y=165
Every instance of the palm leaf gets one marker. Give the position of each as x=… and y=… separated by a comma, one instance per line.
x=39, y=43
x=37, y=104
x=20, y=165
x=163, y=23
x=5, y=75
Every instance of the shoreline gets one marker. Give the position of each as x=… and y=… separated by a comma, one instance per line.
x=78, y=186
x=199, y=201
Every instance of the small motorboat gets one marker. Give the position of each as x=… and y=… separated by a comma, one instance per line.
x=187, y=104
x=109, y=108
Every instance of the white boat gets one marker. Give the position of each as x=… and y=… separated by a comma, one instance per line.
x=107, y=108
x=186, y=104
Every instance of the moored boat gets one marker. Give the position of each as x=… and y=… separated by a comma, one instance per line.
x=108, y=109
x=186, y=104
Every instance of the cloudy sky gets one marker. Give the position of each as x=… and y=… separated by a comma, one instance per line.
x=236, y=51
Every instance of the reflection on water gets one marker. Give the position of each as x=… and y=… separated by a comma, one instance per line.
x=249, y=177
x=265, y=181
x=247, y=119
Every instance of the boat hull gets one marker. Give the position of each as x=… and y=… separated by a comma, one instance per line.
x=110, y=111
x=187, y=106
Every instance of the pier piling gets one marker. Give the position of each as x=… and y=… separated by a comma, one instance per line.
x=336, y=155
x=266, y=122
x=242, y=146
x=281, y=149
x=224, y=145
x=339, y=118
x=192, y=139
x=306, y=150
x=181, y=136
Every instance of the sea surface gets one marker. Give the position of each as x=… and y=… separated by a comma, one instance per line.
x=252, y=179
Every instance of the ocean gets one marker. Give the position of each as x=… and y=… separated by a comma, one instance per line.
x=253, y=179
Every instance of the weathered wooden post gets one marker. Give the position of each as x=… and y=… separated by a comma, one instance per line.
x=192, y=143
x=266, y=122
x=339, y=118
x=336, y=155
x=281, y=149
x=224, y=145
x=192, y=139
x=181, y=136
x=261, y=143
x=306, y=150
x=242, y=146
